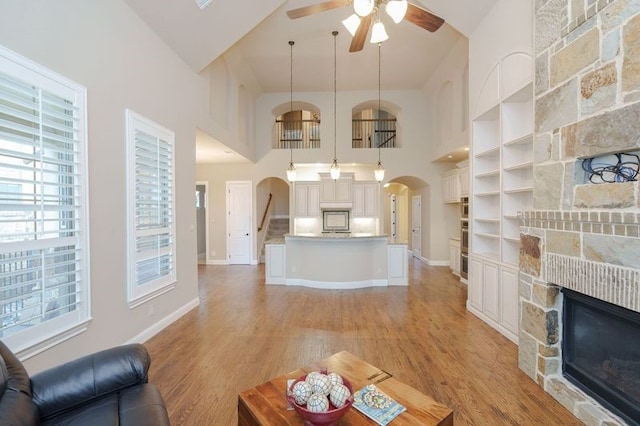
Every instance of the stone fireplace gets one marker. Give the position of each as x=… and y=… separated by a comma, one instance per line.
x=580, y=236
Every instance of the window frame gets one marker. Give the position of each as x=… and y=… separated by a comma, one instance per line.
x=50, y=332
x=139, y=294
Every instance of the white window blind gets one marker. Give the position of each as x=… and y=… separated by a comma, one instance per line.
x=151, y=208
x=43, y=212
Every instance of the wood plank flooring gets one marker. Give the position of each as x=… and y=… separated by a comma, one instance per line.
x=244, y=333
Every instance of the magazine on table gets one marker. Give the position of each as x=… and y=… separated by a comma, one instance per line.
x=377, y=405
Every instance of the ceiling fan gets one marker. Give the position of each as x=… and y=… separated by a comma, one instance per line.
x=359, y=23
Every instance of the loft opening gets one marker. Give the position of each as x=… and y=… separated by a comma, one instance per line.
x=374, y=125
x=297, y=126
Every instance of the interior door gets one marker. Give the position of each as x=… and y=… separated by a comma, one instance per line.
x=416, y=226
x=239, y=235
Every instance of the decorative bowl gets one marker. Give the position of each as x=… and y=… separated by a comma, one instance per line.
x=325, y=418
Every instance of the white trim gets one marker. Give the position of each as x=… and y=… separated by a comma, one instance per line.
x=34, y=350
x=164, y=322
x=152, y=295
x=438, y=262
x=217, y=262
x=337, y=285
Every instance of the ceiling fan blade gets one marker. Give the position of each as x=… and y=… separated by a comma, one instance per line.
x=357, y=43
x=316, y=8
x=422, y=18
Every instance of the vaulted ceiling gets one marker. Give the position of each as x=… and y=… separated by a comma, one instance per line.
x=255, y=33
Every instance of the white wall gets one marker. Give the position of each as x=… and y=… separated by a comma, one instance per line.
x=105, y=47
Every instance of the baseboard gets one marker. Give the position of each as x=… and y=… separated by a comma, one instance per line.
x=217, y=262
x=164, y=322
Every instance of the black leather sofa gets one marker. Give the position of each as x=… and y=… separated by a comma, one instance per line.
x=106, y=388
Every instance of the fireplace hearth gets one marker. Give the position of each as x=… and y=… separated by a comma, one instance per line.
x=601, y=352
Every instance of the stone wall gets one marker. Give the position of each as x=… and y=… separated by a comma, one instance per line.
x=581, y=236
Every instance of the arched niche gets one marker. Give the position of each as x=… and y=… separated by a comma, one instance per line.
x=374, y=124
x=296, y=125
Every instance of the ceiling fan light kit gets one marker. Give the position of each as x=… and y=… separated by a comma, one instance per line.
x=361, y=22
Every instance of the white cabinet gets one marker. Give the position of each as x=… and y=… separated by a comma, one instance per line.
x=463, y=175
x=336, y=193
x=365, y=199
x=509, y=297
x=307, y=199
x=275, y=263
x=451, y=187
x=454, y=256
x=493, y=295
x=397, y=264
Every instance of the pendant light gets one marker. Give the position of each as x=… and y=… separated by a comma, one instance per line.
x=379, y=171
x=335, y=168
x=291, y=171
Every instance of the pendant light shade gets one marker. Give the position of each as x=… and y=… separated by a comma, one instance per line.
x=335, y=168
x=291, y=171
x=363, y=7
x=379, y=172
x=351, y=24
x=396, y=9
x=378, y=33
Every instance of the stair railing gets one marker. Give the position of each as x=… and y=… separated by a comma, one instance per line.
x=264, y=215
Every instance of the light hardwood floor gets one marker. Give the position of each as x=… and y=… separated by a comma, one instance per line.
x=244, y=333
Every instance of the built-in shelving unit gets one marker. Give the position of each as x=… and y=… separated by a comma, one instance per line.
x=502, y=187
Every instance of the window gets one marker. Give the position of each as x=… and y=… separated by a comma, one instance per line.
x=44, y=256
x=151, y=224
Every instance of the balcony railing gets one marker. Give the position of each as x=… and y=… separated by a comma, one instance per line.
x=297, y=134
x=373, y=133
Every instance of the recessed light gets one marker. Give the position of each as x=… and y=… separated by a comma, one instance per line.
x=466, y=148
x=449, y=156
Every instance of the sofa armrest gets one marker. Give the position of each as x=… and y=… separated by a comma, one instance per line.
x=88, y=378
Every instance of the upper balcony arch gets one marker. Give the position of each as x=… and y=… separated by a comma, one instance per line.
x=296, y=125
x=374, y=124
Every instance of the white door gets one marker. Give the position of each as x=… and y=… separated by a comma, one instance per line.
x=416, y=225
x=239, y=208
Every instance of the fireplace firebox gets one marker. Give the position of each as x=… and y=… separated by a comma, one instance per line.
x=601, y=352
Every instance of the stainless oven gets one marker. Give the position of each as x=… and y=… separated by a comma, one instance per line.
x=464, y=207
x=464, y=235
x=464, y=264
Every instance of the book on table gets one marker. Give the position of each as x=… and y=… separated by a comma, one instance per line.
x=377, y=405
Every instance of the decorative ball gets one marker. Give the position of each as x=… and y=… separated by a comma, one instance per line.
x=301, y=392
x=335, y=379
x=310, y=376
x=320, y=384
x=339, y=394
x=317, y=403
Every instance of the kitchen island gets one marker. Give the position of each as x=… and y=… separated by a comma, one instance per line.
x=336, y=261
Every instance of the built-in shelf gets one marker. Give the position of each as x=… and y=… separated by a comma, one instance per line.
x=487, y=194
x=486, y=219
x=484, y=235
x=488, y=153
x=489, y=173
x=522, y=140
x=510, y=216
x=515, y=240
x=519, y=166
x=516, y=190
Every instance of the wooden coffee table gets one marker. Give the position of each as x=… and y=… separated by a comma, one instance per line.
x=266, y=404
